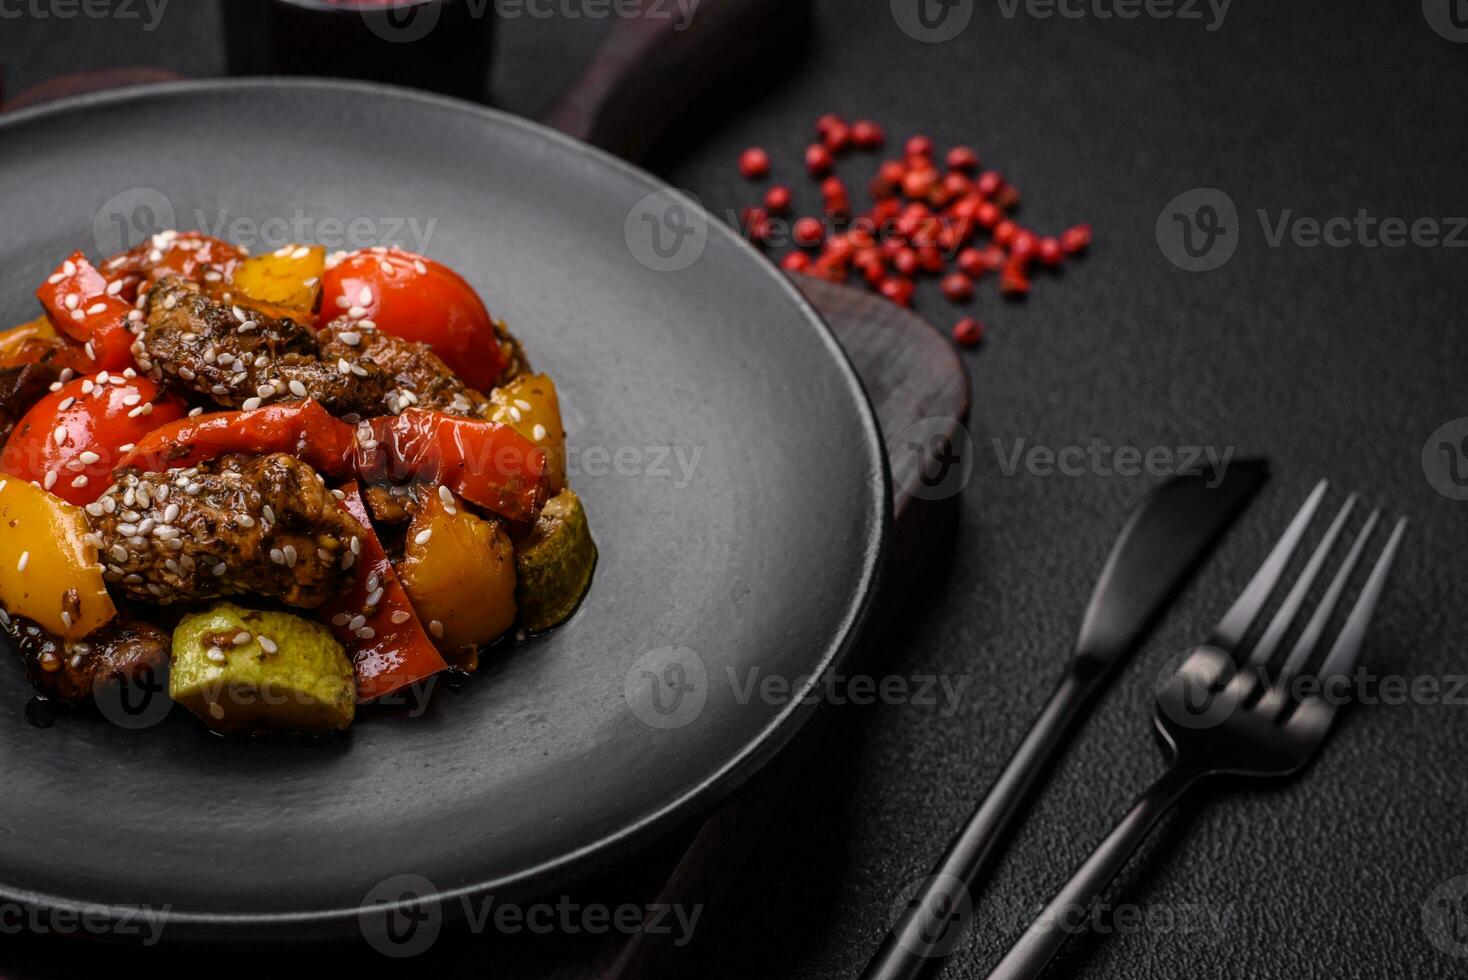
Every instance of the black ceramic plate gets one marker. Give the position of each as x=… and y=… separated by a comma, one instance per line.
x=728, y=459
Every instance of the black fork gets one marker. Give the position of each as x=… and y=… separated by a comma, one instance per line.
x=1221, y=714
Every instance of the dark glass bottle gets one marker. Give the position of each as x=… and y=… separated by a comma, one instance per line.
x=439, y=45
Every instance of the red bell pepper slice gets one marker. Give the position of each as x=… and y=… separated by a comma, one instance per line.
x=389, y=648
x=302, y=429
x=78, y=304
x=486, y=463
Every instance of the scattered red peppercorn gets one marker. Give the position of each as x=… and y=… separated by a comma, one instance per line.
x=906, y=262
x=808, y=232
x=958, y=287
x=818, y=160
x=1074, y=240
x=837, y=137
x=826, y=121
x=1004, y=233
x=989, y=183
x=919, y=146
x=898, y=290
x=796, y=262
x=963, y=158
x=867, y=135
x=986, y=214
x=971, y=263
x=1048, y=251
x=1014, y=282
x=777, y=199
x=968, y=332
x=930, y=259
x=1023, y=246
x=917, y=183
x=754, y=163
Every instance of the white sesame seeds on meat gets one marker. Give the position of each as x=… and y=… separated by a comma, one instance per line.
x=250, y=404
x=298, y=389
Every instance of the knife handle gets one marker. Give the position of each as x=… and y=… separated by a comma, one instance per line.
x=653, y=67
x=935, y=916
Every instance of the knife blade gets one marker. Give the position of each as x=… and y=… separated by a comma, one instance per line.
x=1160, y=545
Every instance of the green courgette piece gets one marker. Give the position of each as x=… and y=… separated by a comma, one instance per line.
x=247, y=671
x=554, y=564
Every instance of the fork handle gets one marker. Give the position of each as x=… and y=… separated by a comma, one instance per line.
x=1071, y=907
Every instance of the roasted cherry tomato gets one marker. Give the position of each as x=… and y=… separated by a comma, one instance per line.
x=486, y=463
x=71, y=439
x=376, y=622
x=190, y=254
x=82, y=305
x=418, y=299
x=303, y=429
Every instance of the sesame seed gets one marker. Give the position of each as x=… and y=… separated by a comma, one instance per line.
x=366, y=633
x=342, y=366
x=365, y=296
x=96, y=308
x=88, y=457
x=215, y=711
x=196, y=412
x=245, y=520
x=538, y=432
x=60, y=435
x=72, y=301
x=219, y=570
x=423, y=537
x=269, y=513
x=436, y=628
x=356, y=623
x=522, y=404
x=400, y=617
x=290, y=555
x=127, y=447
x=170, y=301
x=25, y=557
x=342, y=302
x=170, y=513
x=250, y=404
x=268, y=645
x=374, y=597
x=49, y=481
x=132, y=399
x=349, y=337
x=216, y=655
x=420, y=267
x=79, y=482
x=298, y=389
x=241, y=638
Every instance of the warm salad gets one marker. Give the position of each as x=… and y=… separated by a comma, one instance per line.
x=293, y=482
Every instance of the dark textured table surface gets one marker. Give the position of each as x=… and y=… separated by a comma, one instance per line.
x=1335, y=360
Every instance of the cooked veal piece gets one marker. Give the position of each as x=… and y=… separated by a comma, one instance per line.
x=417, y=376
x=243, y=358
x=383, y=496
x=123, y=650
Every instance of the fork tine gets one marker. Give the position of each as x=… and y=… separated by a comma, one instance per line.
x=1342, y=657
x=1310, y=636
x=1290, y=608
x=1229, y=632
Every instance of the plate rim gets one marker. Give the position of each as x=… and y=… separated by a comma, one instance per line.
x=702, y=796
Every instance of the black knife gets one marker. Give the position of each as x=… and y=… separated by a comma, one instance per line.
x=1163, y=541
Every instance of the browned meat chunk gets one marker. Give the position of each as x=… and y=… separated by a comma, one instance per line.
x=123, y=650
x=244, y=358
x=20, y=388
x=417, y=376
x=264, y=525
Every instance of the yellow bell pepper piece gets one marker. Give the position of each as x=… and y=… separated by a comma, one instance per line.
x=49, y=571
